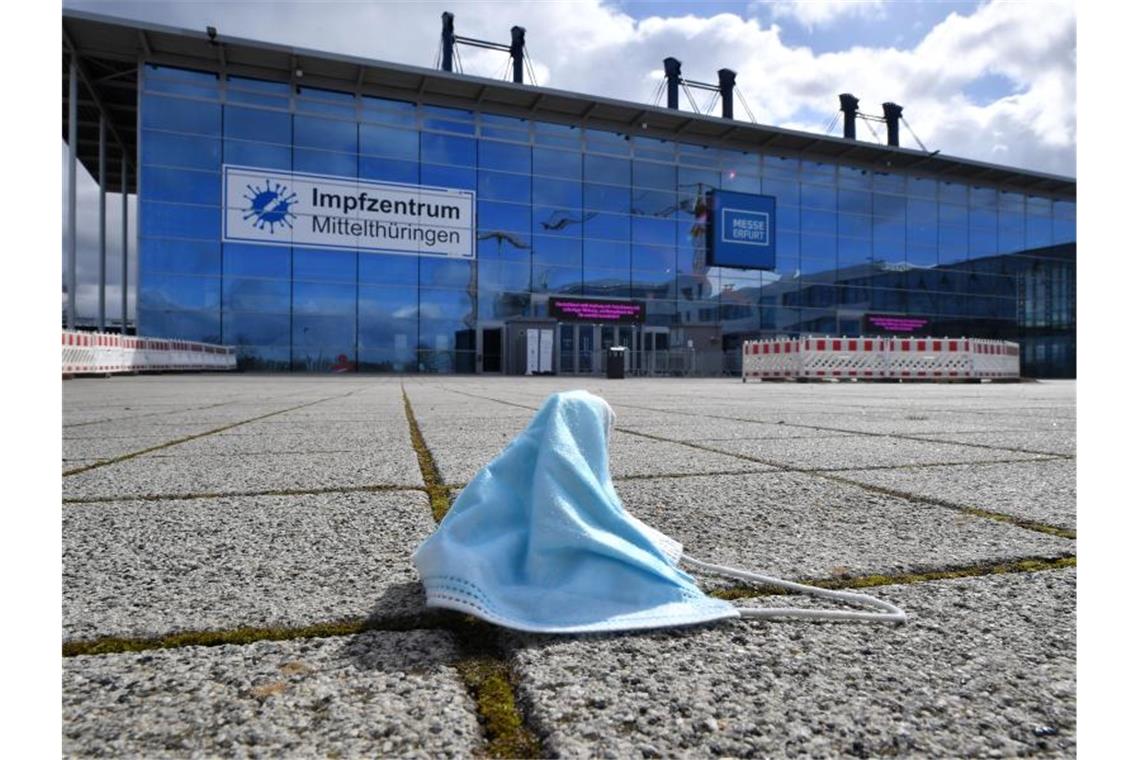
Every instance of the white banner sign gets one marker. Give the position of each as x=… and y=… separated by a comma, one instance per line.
x=289, y=208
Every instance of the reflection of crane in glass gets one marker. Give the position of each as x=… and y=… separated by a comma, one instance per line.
x=502, y=236
x=560, y=219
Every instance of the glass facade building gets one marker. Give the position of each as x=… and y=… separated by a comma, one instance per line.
x=567, y=210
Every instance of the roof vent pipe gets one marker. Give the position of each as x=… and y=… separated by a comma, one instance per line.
x=892, y=112
x=673, y=82
x=518, y=45
x=727, y=85
x=849, y=105
x=448, y=40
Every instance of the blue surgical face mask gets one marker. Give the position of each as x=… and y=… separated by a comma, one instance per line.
x=539, y=541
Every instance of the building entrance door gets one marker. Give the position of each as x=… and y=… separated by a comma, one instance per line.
x=492, y=350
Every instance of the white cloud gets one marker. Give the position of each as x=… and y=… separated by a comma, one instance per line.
x=812, y=13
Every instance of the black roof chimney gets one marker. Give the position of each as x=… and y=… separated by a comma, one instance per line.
x=518, y=43
x=849, y=105
x=892, y=112
x=448, y=40
x=673, y=80
x=727, y=85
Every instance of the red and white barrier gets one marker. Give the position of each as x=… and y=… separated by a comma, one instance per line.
x=107, y=353
x=865, y=358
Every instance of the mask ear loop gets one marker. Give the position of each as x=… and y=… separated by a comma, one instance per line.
x=890, y=613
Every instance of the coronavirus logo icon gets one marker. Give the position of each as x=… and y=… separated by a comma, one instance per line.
x=270, y=206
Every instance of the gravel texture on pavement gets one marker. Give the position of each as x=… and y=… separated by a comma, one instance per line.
x=153, y=568
x=985, y=667
x=378, y=694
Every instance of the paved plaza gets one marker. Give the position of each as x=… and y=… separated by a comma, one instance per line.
x=237, y=577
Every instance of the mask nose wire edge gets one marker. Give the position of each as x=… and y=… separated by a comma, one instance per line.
x=890, y=613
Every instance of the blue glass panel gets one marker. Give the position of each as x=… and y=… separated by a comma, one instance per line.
x=606, y=198
x=547, y=278
x=1064, y=230
x=499, y=216
x=169, y=149
x=324, y=162
x=852, y=252
x=388, y=269
x=567, y=136
x=653, y=231
x=953, y=244
x=1065, y=209
x=258, y=125
x=740, y=183
x=787, y=217
x=329, y=134
x=180, y=292
x=389, y=170
x=330, y=335
x=1011, y=231
x=697, y=180
x=334, y=266
x=953, y=192
x=606, y=254
x=607, y=142
x=199, y=257
x=504, y=157
x=949, y=213
x=921, y=212
x=922, y=187
x=207, y=88
x=823, y=222
x=613, y=283
x=983, y=197
x=182, y=185
x=649, y=147
x=175, y=74
x=654, y=175
x=392, y=142
x=565, y=194
x=557, y=163
x=503, y=276
x=818, y=172
x=655, y=203
x=889, y=207
x=504, y=187
x=558, y=251
x=256, y=295
x=889, y=241
x=327, y=298
x=781, y=166
x=854, y=178
x=446, y=273
x=456, y=114
x=889, y=183
x=1038, y=231
x=245, y=153
x=652, y=258
x=203, y=326
x=921, y=234
x=178, y=115
x=922, y=255
x=447, y=149
x=854, y=201
x=818, y=197
x=259, y=85
x=256, y=99
x=447, y=176
x=388, y=111
x=175, y=220
x=606, y=169
x=787, y=192
x=447, y=304
x=255, y=329
x=819, y=247
x=256, y=260
x=606, y=226
x=853, y=225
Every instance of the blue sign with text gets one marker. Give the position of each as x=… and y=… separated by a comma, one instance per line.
x=742, y=230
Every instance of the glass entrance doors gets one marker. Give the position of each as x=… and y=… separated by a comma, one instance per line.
x=582, y=348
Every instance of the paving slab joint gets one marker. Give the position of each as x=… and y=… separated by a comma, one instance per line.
x=1025, y=565
x=377, y=488
x=437, y=490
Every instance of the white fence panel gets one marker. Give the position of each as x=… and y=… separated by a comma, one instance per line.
x=107, y=353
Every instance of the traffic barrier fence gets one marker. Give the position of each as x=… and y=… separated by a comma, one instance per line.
x=110, y=353
x=878, y=358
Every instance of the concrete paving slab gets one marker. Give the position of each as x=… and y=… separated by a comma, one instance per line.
x=134, y=430
x=378, y=694
x=151, y=568
x=985, y=667
x=262, y=437
x=108, y=448
x=862, y=451
x=695, y=429
x=1040, y=491
x=1063, y=442
x=173, y=474
x=800, y=526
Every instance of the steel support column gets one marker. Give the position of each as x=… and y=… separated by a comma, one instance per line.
x=102, y=223
x=123, y=279
x=72, y=159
